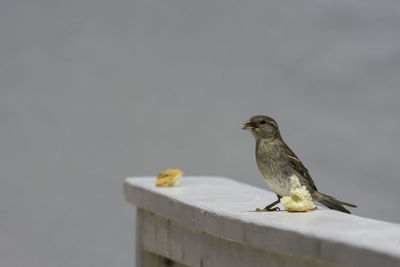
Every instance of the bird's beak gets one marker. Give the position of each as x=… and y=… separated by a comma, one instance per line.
x=248, y=125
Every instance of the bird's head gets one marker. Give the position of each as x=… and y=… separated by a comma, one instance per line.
x=262, y=127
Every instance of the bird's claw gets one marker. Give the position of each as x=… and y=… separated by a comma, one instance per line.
x=266, y=210
x=274, y=209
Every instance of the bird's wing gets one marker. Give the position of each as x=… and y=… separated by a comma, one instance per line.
x=296, y=164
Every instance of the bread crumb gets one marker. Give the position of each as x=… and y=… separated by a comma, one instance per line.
x=169, y=178
x=300, y=199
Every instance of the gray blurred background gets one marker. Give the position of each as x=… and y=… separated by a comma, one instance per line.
x=94, y=91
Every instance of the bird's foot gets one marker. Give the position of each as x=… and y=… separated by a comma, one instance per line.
x=266, y=210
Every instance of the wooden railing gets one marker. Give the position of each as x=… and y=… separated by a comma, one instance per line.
x=210, y=221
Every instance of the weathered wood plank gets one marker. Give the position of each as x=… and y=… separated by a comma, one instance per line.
x=187, y=245
x=223, y=209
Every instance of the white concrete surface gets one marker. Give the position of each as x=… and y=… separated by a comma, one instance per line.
x=224, y=208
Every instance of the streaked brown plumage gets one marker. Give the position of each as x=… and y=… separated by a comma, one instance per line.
x=277, y=163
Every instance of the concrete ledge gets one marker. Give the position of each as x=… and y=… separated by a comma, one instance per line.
x=219, y=211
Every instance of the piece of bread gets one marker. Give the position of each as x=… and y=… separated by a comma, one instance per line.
x=169, y=177
x=300, y=199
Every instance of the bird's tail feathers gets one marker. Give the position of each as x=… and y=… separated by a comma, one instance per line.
x=332, y=202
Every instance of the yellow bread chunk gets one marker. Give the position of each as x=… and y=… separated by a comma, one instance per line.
x=169, y=177
x=299, y=199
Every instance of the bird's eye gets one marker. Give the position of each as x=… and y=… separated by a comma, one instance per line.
x=263, y=122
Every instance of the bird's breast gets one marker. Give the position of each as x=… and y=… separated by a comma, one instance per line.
x=274, y=174
x=277, y=180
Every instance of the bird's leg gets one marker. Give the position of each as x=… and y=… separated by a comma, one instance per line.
x=269, y=207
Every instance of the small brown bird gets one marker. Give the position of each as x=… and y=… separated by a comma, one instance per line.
x=277, y=163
